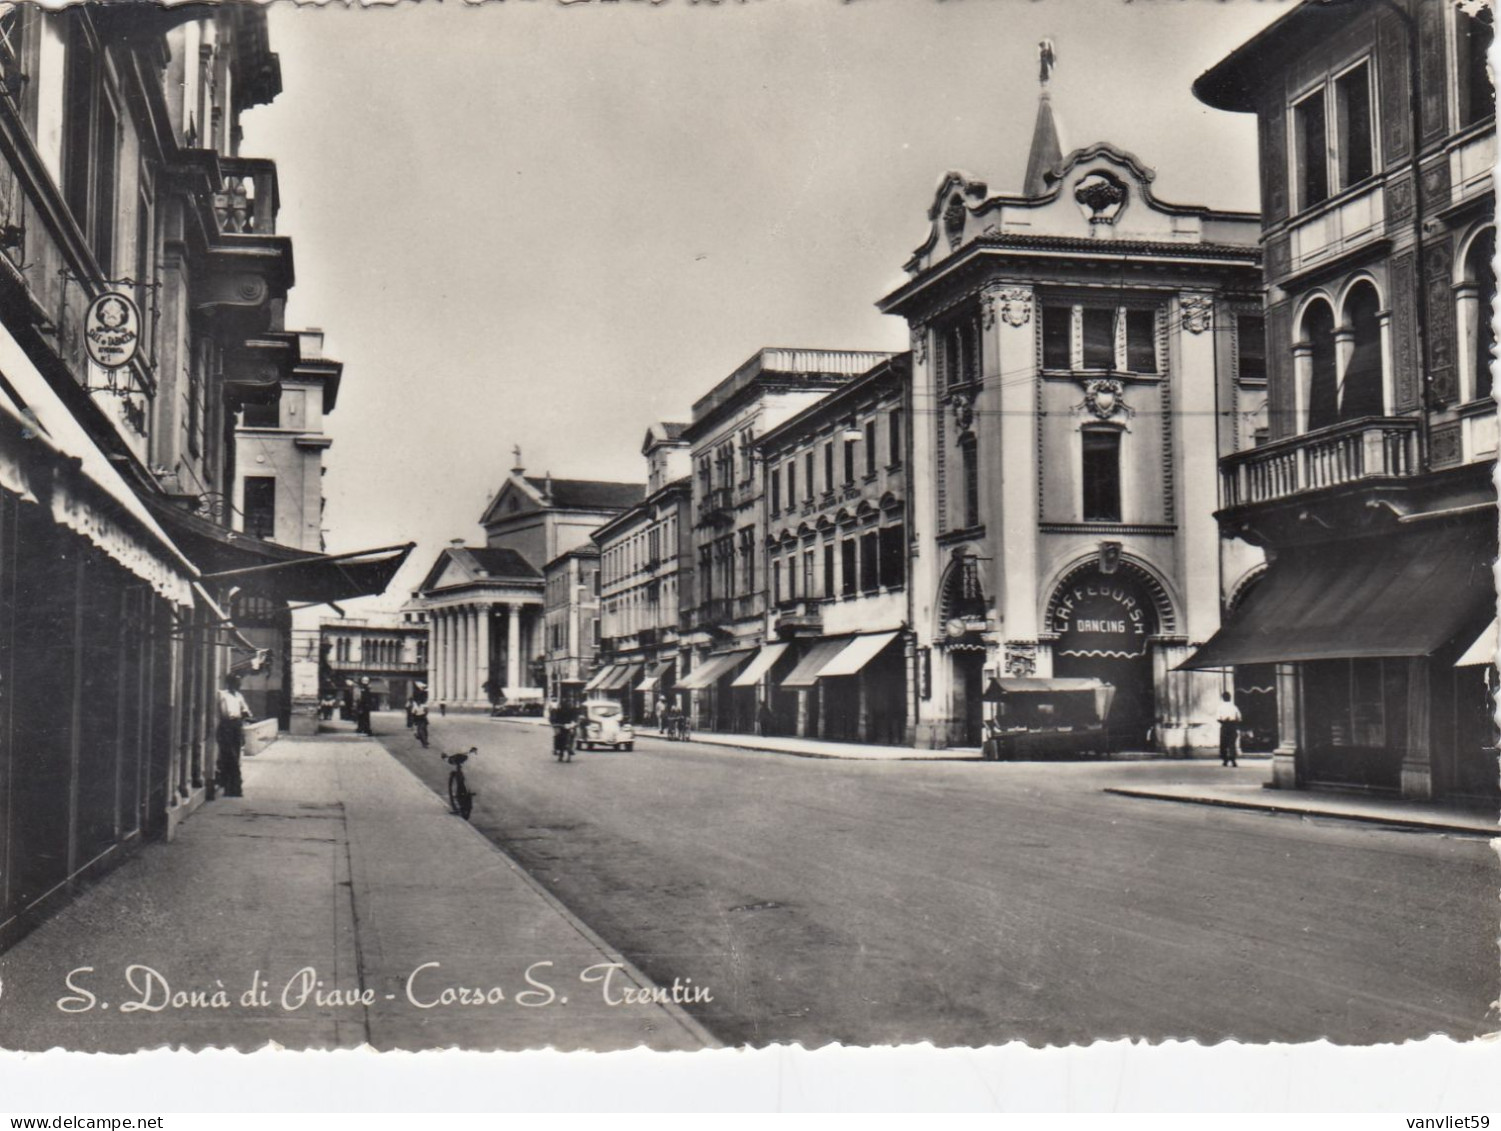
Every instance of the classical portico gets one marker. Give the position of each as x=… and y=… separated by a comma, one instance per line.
x=484, y=608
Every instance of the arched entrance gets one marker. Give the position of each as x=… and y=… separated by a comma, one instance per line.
x=1104, y=623
x=962, y=609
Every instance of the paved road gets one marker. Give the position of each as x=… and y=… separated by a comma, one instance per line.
x=971, y=903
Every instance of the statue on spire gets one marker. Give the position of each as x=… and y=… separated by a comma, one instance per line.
x=1047, y=59
x=519, y=467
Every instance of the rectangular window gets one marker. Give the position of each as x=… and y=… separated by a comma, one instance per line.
x=1250, y=346
x=828, y=570
x=870, y=447
x=808, y=470
x=1099, y=338
x=776, y=581
x=1141, y=341
x=261, y=415
x=847, y=562
x=828, y=466
x=1352, y=101
x=893, y=556
x=748, y=557
x=1057, y=337
x=1311, y=150
x=792, y=576
x=791, y=483
x=894, y=436
x=810, y=577
x=971, y=472
x=1102, y=475
x=1473, y=34
x=776, y=490
x=259, y=506
x=870, y=561
x=849, y=461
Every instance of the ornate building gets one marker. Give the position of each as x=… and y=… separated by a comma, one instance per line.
x=1081, y=353
x=1374, y=492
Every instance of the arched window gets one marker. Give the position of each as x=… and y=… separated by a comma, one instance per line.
x=1323, y=388
x=1360, y=391
x=1480, y=292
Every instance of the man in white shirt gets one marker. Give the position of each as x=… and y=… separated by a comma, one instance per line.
x=232, y=711
x=1228, y=717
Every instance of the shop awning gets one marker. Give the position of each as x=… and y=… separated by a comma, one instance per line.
x=280, y=573
x=1104, y=693
x=1388, y=596
x=655, y=673
x=765, y=659
x=621, y=678
x=597, y=680
x=96, y=502
x=857, y=653
x=811, y=666
x=711, y=669
x=1483, y=651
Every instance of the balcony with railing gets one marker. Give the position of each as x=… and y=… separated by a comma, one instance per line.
x=1375, y=448
x=715, y=507
x=248, y=200
x=799, y=617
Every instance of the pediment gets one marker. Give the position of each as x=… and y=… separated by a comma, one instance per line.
x=515, y=497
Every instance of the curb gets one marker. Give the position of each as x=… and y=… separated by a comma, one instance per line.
x=1297, y=811
x=673, y=1010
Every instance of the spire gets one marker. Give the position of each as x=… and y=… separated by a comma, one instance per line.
x=519, y=467
x=1046, y=150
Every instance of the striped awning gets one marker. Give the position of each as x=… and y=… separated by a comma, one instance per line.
x=765, y=658
x=711, y=669
x=813, y=662
x=857, y=653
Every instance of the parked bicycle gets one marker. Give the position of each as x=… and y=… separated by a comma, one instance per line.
x=460, y=796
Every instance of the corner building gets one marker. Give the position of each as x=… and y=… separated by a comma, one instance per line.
x=1374, y=494
x=1081, y=352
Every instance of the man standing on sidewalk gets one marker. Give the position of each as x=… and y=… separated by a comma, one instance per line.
x=230, y=733
x=1229, y=720
x=363, y=706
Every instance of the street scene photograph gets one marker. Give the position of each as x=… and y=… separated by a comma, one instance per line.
x=701, y=525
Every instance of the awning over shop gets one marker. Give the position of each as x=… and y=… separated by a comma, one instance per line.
x=278, y=572
x=765, y=659
x=1483, y=651
x=96, y=502
x=597, y=680
x=1104, y=693
x=655, y=674
x=1390, y=596
x=621, y=678
x=711, y=669
x=857, y=653
x=811, y=666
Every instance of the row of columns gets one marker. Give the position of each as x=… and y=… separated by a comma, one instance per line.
x=459, y=652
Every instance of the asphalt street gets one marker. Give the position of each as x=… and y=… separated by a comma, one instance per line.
x=973, y=903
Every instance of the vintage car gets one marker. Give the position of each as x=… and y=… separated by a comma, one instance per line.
x=601, y=723
x=1057, y=718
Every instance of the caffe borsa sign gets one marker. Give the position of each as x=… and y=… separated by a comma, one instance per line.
x=1104, y=617
x=112, y=330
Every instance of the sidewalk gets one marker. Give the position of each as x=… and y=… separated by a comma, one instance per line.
x=336, y=861
x=1240, y=791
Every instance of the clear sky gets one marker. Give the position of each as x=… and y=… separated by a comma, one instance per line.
x=546, y=223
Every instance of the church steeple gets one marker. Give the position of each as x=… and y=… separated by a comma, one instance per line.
x=1046, y=149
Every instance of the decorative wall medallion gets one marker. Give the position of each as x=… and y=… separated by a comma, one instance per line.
x=919, y=345
x=1105, y=397
x=1013, y=303
x=964, y=412
x=1198, y=313
x=1399, y=198
x=1103, y=196
x=1445, y=448
x=953, y=221
x=1021, y=660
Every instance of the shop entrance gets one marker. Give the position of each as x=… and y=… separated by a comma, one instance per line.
x=1104, y=624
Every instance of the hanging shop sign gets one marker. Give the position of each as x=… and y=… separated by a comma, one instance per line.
x=112, y=330
x=1103, y=617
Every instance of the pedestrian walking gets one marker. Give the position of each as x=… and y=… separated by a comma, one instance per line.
x=233, y=711
x=1228, y=717
x=661, y=712
x=364, y=702
x=417, y=709
x=442, y=707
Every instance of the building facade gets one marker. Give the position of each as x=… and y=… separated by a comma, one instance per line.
x=646, y=577
x=141, y=288
x=389, y=651
x=727, y=624
x=1080, y=352
x=840, y=659
x=571, y=613
x=1374, y=491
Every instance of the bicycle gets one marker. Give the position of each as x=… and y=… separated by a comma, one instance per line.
x=460, y=796
x=562, y=742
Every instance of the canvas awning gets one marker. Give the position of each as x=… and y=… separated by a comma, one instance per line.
x=1104, y=693
x=40, y=436
x=1483, y=651
x=621, y=678
x=857, y=653
x=1379, y=597
x=813, y=661
x=711, y=669
x=597, y=680
x=655, y=673
x=765, y=659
